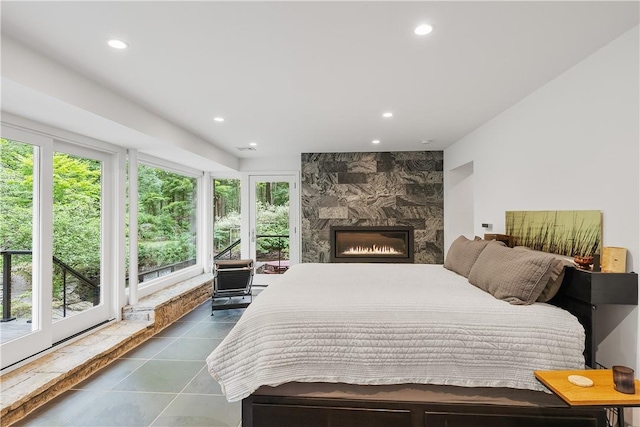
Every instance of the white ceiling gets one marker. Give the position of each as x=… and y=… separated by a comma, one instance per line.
x=317, y=76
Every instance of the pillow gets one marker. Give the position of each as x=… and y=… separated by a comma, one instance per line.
x=515, y=276
x=462, y=254
x=557, y=273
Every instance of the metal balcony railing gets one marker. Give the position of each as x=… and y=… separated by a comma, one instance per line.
x=76, y=288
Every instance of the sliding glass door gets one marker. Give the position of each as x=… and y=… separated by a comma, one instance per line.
x=53, y=217
x=25, y=242
x=79, y=250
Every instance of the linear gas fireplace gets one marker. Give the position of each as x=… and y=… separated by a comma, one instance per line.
x=372, y=244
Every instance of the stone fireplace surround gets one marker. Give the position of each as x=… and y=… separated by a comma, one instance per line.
x=373, y=189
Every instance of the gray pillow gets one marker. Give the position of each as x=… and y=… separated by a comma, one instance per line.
x=462, y=254
x=556, y=277
x=515, y=276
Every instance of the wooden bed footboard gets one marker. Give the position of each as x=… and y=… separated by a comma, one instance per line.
x=281, y=411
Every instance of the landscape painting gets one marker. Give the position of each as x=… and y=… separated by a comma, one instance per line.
x=570, y=233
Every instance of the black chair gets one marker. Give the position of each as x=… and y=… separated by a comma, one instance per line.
x=232, y=280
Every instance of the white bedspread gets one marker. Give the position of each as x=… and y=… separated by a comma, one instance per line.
x=391, y=324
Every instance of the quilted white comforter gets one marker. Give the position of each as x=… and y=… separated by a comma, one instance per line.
x=391, y=324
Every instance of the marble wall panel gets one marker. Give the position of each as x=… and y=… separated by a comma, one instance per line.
x=332, y=166
x=338, y=212
x=365, y=166
x=410, y=200
x=387, y=182
x=352, y=178
x=384, y=166
x=373, y=189
x=320, y=201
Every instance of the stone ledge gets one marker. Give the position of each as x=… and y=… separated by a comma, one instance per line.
x=37, y=382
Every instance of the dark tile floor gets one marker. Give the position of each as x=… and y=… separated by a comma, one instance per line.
x=162, y=382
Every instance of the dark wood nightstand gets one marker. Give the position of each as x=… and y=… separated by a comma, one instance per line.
x=583, y=291
x=601, y=288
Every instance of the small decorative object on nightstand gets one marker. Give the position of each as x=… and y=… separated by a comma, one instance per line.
x=614, y=260
x=584, y=262
x=623, y=379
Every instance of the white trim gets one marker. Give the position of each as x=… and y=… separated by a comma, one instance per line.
x=41, y=129
x=119, y=212
x=148, y=160
x=204, y=235
x=133, y=227
x=169, y=280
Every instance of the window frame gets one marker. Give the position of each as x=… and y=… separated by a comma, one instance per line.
x=148, y=287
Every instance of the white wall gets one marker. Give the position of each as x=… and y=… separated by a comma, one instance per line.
x=572, y=144
x=458, y=202
x=271, y=164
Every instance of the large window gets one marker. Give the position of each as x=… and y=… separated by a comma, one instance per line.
x=167, y=222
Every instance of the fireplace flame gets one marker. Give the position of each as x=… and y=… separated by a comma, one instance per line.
x=368, y=250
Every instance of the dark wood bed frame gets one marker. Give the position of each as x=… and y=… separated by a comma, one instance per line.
x=303, y=411
x=299, y=410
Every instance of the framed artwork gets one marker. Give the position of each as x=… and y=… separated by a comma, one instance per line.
x=570, y=233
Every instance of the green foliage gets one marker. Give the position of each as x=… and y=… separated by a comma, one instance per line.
x=21, y=306
x=16, y=189
x=166, y=217
x=272, y=220
x=77, y=198
x=152, y=255
x=226, y=197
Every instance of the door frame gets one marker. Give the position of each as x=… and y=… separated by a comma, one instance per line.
x=40, y=337
x=249, y=215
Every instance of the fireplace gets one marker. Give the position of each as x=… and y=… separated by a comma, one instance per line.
x=372, y=244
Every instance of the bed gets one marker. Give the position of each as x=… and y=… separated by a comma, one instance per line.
x=395, y=344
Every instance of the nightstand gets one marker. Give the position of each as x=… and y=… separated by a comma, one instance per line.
x=601, y=394
x=583, y=291
x=601, y=288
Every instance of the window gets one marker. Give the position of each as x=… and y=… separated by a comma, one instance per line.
x=16, y=237
x=167, y=222
x=226, y=218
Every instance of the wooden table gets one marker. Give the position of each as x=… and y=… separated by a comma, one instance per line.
x=601, y=394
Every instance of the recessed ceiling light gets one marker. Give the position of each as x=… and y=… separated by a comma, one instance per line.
x=218, y=119
x=426, y=141
x=375, y=141
x=423, y=30
x=117, y=44
x=388, y=114
x=253, y=144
